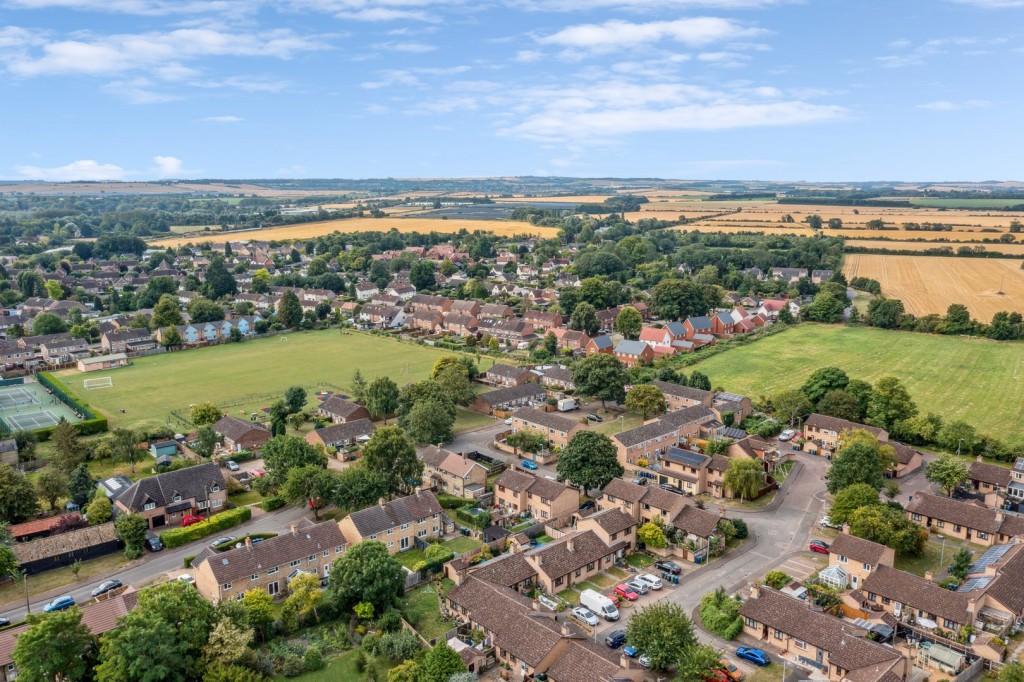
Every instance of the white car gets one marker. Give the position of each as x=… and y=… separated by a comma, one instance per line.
x=586, y=615
x=508, y=422
x=787, y=435
x=644, y=661
x=186, y=578
x=826, y=522
x=652, y=581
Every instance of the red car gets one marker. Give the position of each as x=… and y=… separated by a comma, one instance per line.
x=818, y=546
x=190, y=520
x=716, y=676
x=623, y=591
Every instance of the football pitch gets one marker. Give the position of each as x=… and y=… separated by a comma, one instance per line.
x=975, y=380
x=152, y=386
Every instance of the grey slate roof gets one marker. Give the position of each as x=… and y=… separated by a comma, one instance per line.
x=688, y=392
x=337, y=433
x=627, y=347
x=668, y=423
x=234, y=428
x=191, y=483
x=407, y=509
x=548, y=420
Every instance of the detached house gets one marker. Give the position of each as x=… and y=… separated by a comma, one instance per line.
x=451, y=473
x=399, y=524
x=340, y=411
x=632, y=353
x=600, y=344
x=238, y=434
x=859, y=557
x=165, y=499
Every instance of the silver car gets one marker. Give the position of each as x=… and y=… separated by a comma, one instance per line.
x=652, y=581
x=586, y=615
x=638, y=586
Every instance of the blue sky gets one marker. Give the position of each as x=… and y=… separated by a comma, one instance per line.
x=745, y=89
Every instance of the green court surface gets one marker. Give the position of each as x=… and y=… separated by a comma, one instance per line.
x=28, y=406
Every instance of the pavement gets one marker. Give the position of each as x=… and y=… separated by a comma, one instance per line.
x=155, y=566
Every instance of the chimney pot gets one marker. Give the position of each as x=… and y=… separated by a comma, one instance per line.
x=755, y=591
x=248, y=542
x=295, y=529
x=929, y=576
x=536, y=605
x=566, y=630
x=624, y=661
x=570, y=545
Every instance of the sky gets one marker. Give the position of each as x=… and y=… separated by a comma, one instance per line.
x=817, y=90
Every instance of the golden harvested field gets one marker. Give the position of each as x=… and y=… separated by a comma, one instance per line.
x=923, y=246
x=304, y=231
x=577, y=199
x=929, y=284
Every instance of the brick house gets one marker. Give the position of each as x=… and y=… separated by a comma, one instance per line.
x=398, y=524
x=238, y=434
x=461, y=324
x=964, y=520
x=428, y=303
x=558, y=378
x=859, y=557
x=426, y=320
x=632, y=353
x=677, y=397
x=990, y=480
x=558, y=429
x=643, y=503
x=601, y=344
x=652, y=439
x=541, y=321
x=685, y=469
x=270, y=564
x=340, y=411
x=165, y=499
x=907, y=460
x=823, y=432
x=898, y=592
x=468, y=307
x=495, y=311
x=541, y=497
x=342, y=435
x=117, y=342
x=570, y=339
x=739, y=405
x=508, y=375
x=697, y=326
x=504, y=399
x=451, y=473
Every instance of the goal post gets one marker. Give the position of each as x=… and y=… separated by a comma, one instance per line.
x=100, y=382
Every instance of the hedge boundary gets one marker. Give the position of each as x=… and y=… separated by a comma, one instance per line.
x=92, y=423
x=176, y=537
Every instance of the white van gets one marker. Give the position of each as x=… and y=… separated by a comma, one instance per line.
x=599, y=604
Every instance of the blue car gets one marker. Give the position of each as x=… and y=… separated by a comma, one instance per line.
x=615, y=638
x=753, y=655
x=630, y=651
x=528, y=464
x=60, y=603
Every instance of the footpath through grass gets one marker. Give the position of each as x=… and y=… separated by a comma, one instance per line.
x=976, y=380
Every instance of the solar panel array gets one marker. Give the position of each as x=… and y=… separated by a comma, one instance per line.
x=975, y=584
x=992, y=555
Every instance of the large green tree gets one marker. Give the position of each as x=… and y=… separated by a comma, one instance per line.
x=166, y=312
x=219, y=282
x=99, y=510
x=440, y=663
x=841, y=404
x=391, y=454
x=359, y=487
x=47, y=323
x=124, y=446
x=600, y=376
x=823, y=380
x=283, y=453
x=646, y=399
x=429, y=423
x=202, y=310
x=744, y=478
x=417, y=392
x=589, y=461
x=454, y=379
x=289, y=310
x=382, y=397
x=947, y=471
x=888, y=526
x=131, y=529
x=584, y=319
x=69, y=450
x=890, y=403
x=18, y=500
x=677, y=299
x=629, y=322
x=81, y=487
x=790, y=406
x=312, y=486
x=56, y=647
x=850, y=499
x=366, y=572
x=52, y=486
x=859, y=459
x=663, y=632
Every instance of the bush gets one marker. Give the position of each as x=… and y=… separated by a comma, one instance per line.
x=271, y=503
x=188, y=561
x=776, y=579
x=397, y=646
x=390, y=621
x=741, y=528
x=313, y=660
x=176, y=537
x=720, y=614
x=291, y=665
x=451, y=501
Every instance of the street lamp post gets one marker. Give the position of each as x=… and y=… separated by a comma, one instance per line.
x=958, y=444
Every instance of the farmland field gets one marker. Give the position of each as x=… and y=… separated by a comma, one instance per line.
x=929, y=284
x=152, y=386
x=923, y=246
x=306, y=230
x=976, y=380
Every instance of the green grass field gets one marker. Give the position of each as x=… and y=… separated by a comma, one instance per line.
x=979, y=381
x=966, y=203
x=154, y=385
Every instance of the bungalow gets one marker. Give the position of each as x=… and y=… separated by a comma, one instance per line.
x=964, y=520
x=451, y=473
x=990, y=480
x=920, y=600
x=169, y=497
x=823, y=433
x=907, y=460
x=632, y=353
x=400, y=524
x=508, y=375
x=102, y=362
x=342, y=435
x=557, y=429
x=504, y=399
x=571, y=559
x=340, y=411
x=678, y=396
x=791, y=275
x=543, y=499
x=238, y=434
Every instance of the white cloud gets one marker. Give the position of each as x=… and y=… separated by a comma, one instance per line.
x=378, y=10
x=921, y=53
x=168, y=167
x=616, y=34
x=411, y=47
x=137, y=91
x=528, y=56
x=86, y=169
x=946, y=105
x=143, y=7
x=222, y=119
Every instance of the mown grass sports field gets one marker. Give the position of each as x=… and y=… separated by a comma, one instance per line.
x=978, y=381
x=154, y=385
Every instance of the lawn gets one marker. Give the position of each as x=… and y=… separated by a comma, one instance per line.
x=978, y=381
x=343, y=669
x=459, y=545
x=419, y=607
x=933, y=558
x=467, y=421
x=47, y=581
x=772, y=673
x=153, y=385
x=616, y=423
x=245, y=498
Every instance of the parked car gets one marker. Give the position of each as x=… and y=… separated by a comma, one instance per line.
x=615, y=638
x=4, y=622
x=730, y=669
x=588, y=505
x=644, y=660
x=672, y=488
x=257, y=473
x=653, y=582
x=638, y=586
x=630, y=651
x=787, y=435
x=232, y=465
x=826, y=522
x=586, y=615
x=106, y=586
x=594, y=417
x=153, y=543
x=625, y=592
x=529, y=464
x=818, y=546
x=186, y=578
x=640, y=480
x=60, y=603
x=715, y=676
x=755, y=656
x=191, y=520
x=508, y=422
x=223, y=540
x=670, y=566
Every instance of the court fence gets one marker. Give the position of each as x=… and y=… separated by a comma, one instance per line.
x=92, y=423
x=14, y=381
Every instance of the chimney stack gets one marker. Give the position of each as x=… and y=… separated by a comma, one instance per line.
x=248, y=542
x=846, y=528
x=382, y=501
x=570, y=545
x=721, y=512
x=929, y=576
x=295, y=529
x=999, y=516
x=536, y=605
x=755, y=590
x=566, y=630
x=624, y=662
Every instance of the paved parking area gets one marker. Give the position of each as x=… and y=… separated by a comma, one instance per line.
x=799, y=567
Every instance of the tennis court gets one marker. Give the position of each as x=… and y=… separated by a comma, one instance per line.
x=29, y=406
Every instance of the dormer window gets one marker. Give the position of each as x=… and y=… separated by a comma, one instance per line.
x=177, y=498
x=214, y=488
x=148, y=506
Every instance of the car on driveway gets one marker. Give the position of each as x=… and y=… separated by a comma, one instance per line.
x=232, y=465
x=615, y=638
x=638, y=586
x=60, y=603
x=653, y=582
x=223, y=540
x=715, y=676
x=755, y=656
x=787, y=435
x=186, y=578
x=625, y=592
x=826, y=522
x=730, y=669
x=594, y=417
x=644, y=660
x=191, y=520
x=508, y=422
x=106, y=586
x=669, y=566
x=671, y=488
x=640, y=480
x=631, y=651
x=588, y=505
x=529, y=464
x=818, y=546
x=586, y=615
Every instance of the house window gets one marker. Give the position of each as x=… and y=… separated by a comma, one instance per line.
x=391, y=531
x=294, y=562
x=177, y=498
x=338, y=549
x=214, y=488
x=842, y=559
x=957, y=528
x=751, y=623
x=982, y=536
x=435, y=529
x=590, y=566
x=405, y=526
x=391, y=544
x=948, y=624
x=273, y=570
x=940, y=524
x=218, y=502
x=559, y=581
x=799, y=644
x=373, y=537
x=867, y=567
x=311, y=558
x=226, y=586
x=254, y=576
x=326, y=552
x=205, y=504
x=872, y=596
x=272, y=588
x=778, y=634
x=915, y=517
x=149, y=505
x=422, y=521
x=885, y=600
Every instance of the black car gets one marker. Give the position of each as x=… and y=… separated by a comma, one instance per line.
x=594, y=417
x=4, y=622
x=615, y=638
x=671, y=488
x=670, y=566
x=106, y=586
x=587, y=506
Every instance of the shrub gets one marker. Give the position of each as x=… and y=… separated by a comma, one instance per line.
x=741, y=528
x=451, y=501
x=390, y=621
x=776, y=579
x=291, y=665
x=176, y=537
x=271, y=503
x=720, y=614
x=313, y=660
x=188, y=561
